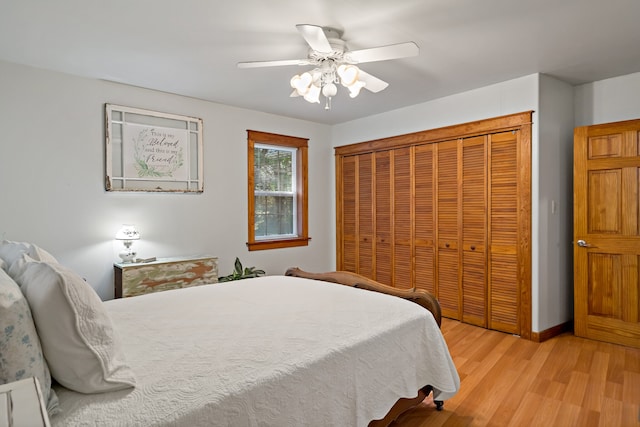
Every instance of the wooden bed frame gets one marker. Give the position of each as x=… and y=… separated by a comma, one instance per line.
x=420, y=297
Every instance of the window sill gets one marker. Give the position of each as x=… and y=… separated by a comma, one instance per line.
x=260, y=245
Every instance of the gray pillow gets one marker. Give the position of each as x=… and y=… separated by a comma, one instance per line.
x=12, y=251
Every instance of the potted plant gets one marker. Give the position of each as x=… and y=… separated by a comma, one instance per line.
x=241, y=273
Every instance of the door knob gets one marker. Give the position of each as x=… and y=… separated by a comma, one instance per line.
x=583, y=244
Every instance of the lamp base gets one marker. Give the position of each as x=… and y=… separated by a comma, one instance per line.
x=127, y=255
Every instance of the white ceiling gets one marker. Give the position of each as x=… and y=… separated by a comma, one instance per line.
x=191, y=47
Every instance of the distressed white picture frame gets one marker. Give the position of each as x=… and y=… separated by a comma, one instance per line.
x=152, y=151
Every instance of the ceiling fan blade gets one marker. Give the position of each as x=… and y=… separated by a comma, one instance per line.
x=372, y=83
x=259, y=64
x=315, y=37
x=383, y=53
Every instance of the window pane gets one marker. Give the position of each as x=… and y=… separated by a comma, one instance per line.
x=273, y=169
x=277, y=179
x=273, y=216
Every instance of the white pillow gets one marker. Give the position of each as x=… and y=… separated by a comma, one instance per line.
x=20, y=351
x=78, y=339
x=12, y=251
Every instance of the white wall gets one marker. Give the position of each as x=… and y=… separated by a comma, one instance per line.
x=610, y=100
x=554, y=177
x=513, y=96
x=52, y=179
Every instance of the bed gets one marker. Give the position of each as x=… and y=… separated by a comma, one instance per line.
x=300, y=349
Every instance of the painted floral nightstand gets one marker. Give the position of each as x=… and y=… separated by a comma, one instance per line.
x=133, y=279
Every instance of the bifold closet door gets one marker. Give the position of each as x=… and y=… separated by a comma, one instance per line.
x=448, y=211
x=504, y=280
x=366, y=230
x=402, y=218
x=355, y=214
x=424, y=223
x=347, y=213
x=474, y=230
x=448, y=288
x=384, y=240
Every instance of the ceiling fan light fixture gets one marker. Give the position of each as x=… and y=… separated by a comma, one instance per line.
x=354, y=89
x=302, y=83
x=334, y=64
x=313, y=94
x=348, y=74
x=311, y=84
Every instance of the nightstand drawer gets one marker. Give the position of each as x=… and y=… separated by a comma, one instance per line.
x=164, y=274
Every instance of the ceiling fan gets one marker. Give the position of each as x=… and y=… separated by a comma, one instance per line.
x=335, y=64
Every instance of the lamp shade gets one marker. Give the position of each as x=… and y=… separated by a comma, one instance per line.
x=127, y=232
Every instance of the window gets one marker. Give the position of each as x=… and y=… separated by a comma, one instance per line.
x=277, y=191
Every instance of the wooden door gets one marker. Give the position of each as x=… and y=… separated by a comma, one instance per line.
x=384, y=223
x=448, y=262
x=473, y=225
x=424, y=224
x=506, y=197
x=347, y=213
x=355, y=214
x=606, y=232
x=365, y=215
x=402, y=218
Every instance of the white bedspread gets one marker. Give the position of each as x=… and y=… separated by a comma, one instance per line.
x=272, y=351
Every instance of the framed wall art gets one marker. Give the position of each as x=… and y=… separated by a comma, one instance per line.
x=151, y=151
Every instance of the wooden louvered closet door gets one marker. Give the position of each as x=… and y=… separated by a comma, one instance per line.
x=450, y=215
x=424, y=223
x=448, y=262
x=365, y=215
x=504, y=198
x=356, y=218
x=383, y=242
x=474, y=230
x=347, y=214
x=402, y=219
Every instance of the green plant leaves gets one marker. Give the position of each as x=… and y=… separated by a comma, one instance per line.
x=241, y=273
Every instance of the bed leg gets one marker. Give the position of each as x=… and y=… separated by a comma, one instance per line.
x=439, y=403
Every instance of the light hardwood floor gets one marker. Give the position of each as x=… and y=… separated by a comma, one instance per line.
x=509, y=381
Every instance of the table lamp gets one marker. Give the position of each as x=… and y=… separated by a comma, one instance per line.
x=127, y=234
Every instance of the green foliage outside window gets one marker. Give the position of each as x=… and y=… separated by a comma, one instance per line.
x=274, y=191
